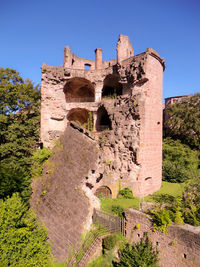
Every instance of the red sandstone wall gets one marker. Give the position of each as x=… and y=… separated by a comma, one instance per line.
x=150, y=152
x=180, y=247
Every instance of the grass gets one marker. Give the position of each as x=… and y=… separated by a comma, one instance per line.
x=172, y=189
x=107, y=203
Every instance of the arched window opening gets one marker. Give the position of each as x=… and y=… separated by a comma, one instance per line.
x=80, y=116
x=112, y=87
x=103, y=120
x=79, y=90
x=87, y=66
x=103, y=192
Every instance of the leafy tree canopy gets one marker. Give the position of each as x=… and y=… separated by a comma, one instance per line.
x=184, y=121
x=19, y=123
x=179, y=161
x=22, y=239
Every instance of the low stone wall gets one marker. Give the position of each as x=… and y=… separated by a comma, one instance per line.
x=180, y=246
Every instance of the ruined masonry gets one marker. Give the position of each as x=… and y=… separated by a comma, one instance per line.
x=108, y=116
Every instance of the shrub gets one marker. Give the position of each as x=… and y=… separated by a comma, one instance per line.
x=109, y=242
x=139, y=254
x=137, y=226
x=125, y=193
x=161, y=219
x=117, y=210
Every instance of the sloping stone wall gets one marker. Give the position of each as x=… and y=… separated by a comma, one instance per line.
x=58, y=199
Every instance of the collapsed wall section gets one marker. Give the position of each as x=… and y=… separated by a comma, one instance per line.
x=58, y=198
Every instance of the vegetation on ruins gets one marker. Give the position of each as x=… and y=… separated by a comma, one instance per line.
x=138, y=254
x=125, y=193
x=184, y=121
x=38, y=158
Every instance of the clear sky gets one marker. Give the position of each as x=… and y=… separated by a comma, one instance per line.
x=36, y=31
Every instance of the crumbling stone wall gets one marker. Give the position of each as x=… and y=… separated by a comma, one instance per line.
x=180, y=246
x=134, y=142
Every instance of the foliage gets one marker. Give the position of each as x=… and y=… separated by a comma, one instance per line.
x=125, y=193
x=161, y=219
x=19, y=123
x=168, y=190
x=117, y=210
x=139, y=254
x=38, y=158
x=103, y=261
x=184, y=121
x=75, y=254
x=179, y=161
x=14, y=178
x=137, y=226
x=191, y=201
x=22, y=239
x=109, y=242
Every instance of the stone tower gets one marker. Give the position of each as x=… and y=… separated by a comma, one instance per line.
x=121, y=100
x=124, y=97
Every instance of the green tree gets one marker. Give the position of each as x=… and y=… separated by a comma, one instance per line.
x=184, y=121
x=19, y=123
x=179, y=161
x=23, y=242
x=139, y=254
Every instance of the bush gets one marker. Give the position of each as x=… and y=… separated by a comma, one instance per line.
x=161, y=219
x=125, y=193
x=109, y=242
x=117, y=210
x=139, y=254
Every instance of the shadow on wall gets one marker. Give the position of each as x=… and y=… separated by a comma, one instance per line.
x=103, y=120
x=79, y=115
x=79, y=90
x=112, y=87
x=103, y=192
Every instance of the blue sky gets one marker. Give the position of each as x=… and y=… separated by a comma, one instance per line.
x=34, y=32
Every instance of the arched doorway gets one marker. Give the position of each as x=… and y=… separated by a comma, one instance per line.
x=79, y=115
x=112, y=87
x=79, y=90
x=103, y=192
x=103, y=121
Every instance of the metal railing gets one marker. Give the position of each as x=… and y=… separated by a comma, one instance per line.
x=112, y=223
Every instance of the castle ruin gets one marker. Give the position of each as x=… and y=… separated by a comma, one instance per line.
x=108, y=116
x=83, y=87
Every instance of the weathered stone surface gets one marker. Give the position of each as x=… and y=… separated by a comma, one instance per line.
x=180, y=246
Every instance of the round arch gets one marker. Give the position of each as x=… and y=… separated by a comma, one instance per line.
x=79, y=90
x=80, y=115
x=111, y=86
x=103, y=192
